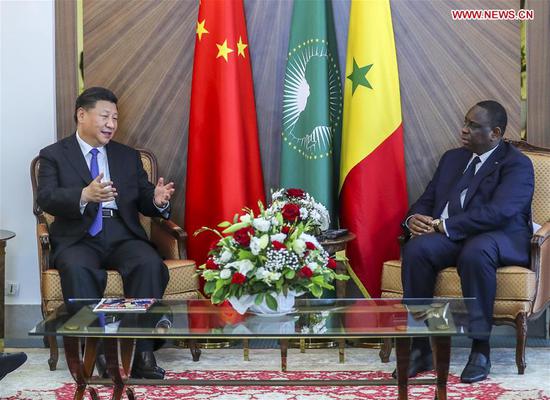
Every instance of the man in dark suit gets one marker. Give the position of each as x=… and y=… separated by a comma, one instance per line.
x=95, y=188
x=9, y=362
x=475, y=214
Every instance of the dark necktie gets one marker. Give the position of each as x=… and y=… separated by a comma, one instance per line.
x=454, y=202
x=97, y=224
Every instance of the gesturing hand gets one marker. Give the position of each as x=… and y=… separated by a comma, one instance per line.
x=98, y=191
x=163, y=193
x=420, y=224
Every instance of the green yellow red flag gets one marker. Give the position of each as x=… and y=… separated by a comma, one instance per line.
x=373, y=192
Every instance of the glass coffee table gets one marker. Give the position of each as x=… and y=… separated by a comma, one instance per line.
x=338, y=319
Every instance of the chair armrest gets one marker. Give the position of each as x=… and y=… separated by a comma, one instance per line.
x=540, y=264
x=170, y=239
x=43, y=238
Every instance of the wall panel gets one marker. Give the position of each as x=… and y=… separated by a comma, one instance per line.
x=143, y=50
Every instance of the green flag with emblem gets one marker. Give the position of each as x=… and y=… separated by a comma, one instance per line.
x=312, y=105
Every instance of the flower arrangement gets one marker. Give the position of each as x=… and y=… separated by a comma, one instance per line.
x=274, y=252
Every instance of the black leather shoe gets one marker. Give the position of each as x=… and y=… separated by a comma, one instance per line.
x=9, y=362
x=477, y=369
x=418, y=362
x=145, y=366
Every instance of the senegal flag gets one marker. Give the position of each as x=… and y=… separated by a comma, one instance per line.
x=373, y=192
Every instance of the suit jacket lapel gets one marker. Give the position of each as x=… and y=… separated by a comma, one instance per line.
x=454, y=176
x=76, y=159
x=487, y=168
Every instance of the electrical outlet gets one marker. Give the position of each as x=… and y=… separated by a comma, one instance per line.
x=12, y=288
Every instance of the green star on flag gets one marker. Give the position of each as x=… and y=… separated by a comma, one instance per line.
x=359, y=76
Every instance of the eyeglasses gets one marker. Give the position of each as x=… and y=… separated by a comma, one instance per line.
x=471, y=125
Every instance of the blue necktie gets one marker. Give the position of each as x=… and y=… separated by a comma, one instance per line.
x=454, y=203
x=97, y=224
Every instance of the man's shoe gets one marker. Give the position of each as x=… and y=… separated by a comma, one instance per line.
x=477, y=369
x=145, y=366
x=101, y=365
x=418, y=362
x=9, y=362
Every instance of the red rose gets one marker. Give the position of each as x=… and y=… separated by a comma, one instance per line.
x=310, y=246
x=285, y=229
x=278, y=245
x=291, y=212
x=295, y=193
x=306, y=272
x=242, y=236
x=210, y=264
x=238, y=278
x=332, y=263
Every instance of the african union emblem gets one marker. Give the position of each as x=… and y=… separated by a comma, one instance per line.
x=312, y=99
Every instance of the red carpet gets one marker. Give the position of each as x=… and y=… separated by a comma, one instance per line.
x=488, y=390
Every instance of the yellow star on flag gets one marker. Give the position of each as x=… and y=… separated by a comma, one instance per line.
x=241, y=46
x=223, y=50
x=201, y=29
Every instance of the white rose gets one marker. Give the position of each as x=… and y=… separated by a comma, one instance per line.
x=244, y=266
x=225, y=273
x=299, y=246
x=225, y=256
x=313, y=266
x=303, y=213
x=261, y=224
x=310, y=238
x=255, y=245
x=261, y=273
x=278, y=237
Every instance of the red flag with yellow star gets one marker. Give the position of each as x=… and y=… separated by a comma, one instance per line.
x=224, y=170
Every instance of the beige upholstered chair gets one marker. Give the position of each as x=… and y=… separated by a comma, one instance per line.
x=169, y=238
x=522, y=293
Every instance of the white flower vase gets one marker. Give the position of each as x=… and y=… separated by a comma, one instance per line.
x=285, y=304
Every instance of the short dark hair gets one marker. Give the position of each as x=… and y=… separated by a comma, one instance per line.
x=497, y=113
x=90, y=96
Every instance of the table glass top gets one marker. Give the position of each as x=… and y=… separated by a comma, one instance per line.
x=310, y=318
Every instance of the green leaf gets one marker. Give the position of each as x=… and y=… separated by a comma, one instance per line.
x=290, y=274
x=235, y=227
x=341, y=277
x=245, y=255
x=316, y=290
x=259, y=298
x=271, y=302
x=209, y=287
x=224, y=224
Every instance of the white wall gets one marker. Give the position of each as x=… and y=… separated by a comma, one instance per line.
x=27, y=118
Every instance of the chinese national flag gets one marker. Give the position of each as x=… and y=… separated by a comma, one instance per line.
x=224, y=171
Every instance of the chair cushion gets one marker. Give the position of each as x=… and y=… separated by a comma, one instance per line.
x=183, y=279
x=513, y=283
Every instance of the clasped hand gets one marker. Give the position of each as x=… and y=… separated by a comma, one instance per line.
x=420, y=224
x=98, y=191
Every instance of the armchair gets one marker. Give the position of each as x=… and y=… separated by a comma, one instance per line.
x=169, y=238
x=522, y=293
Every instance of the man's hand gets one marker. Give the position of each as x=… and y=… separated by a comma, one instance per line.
x=98, y=191
x=163, y=193
x=420, y=224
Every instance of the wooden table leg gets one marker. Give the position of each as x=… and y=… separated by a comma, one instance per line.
x=284, y=352
x=80, y=365
x=402, y=352
x=441, y=346
x=246, y=350
x=119, y=354
x=341, y=351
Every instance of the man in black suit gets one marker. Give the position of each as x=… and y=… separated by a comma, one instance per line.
x=475, y=214
x=95, y=188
